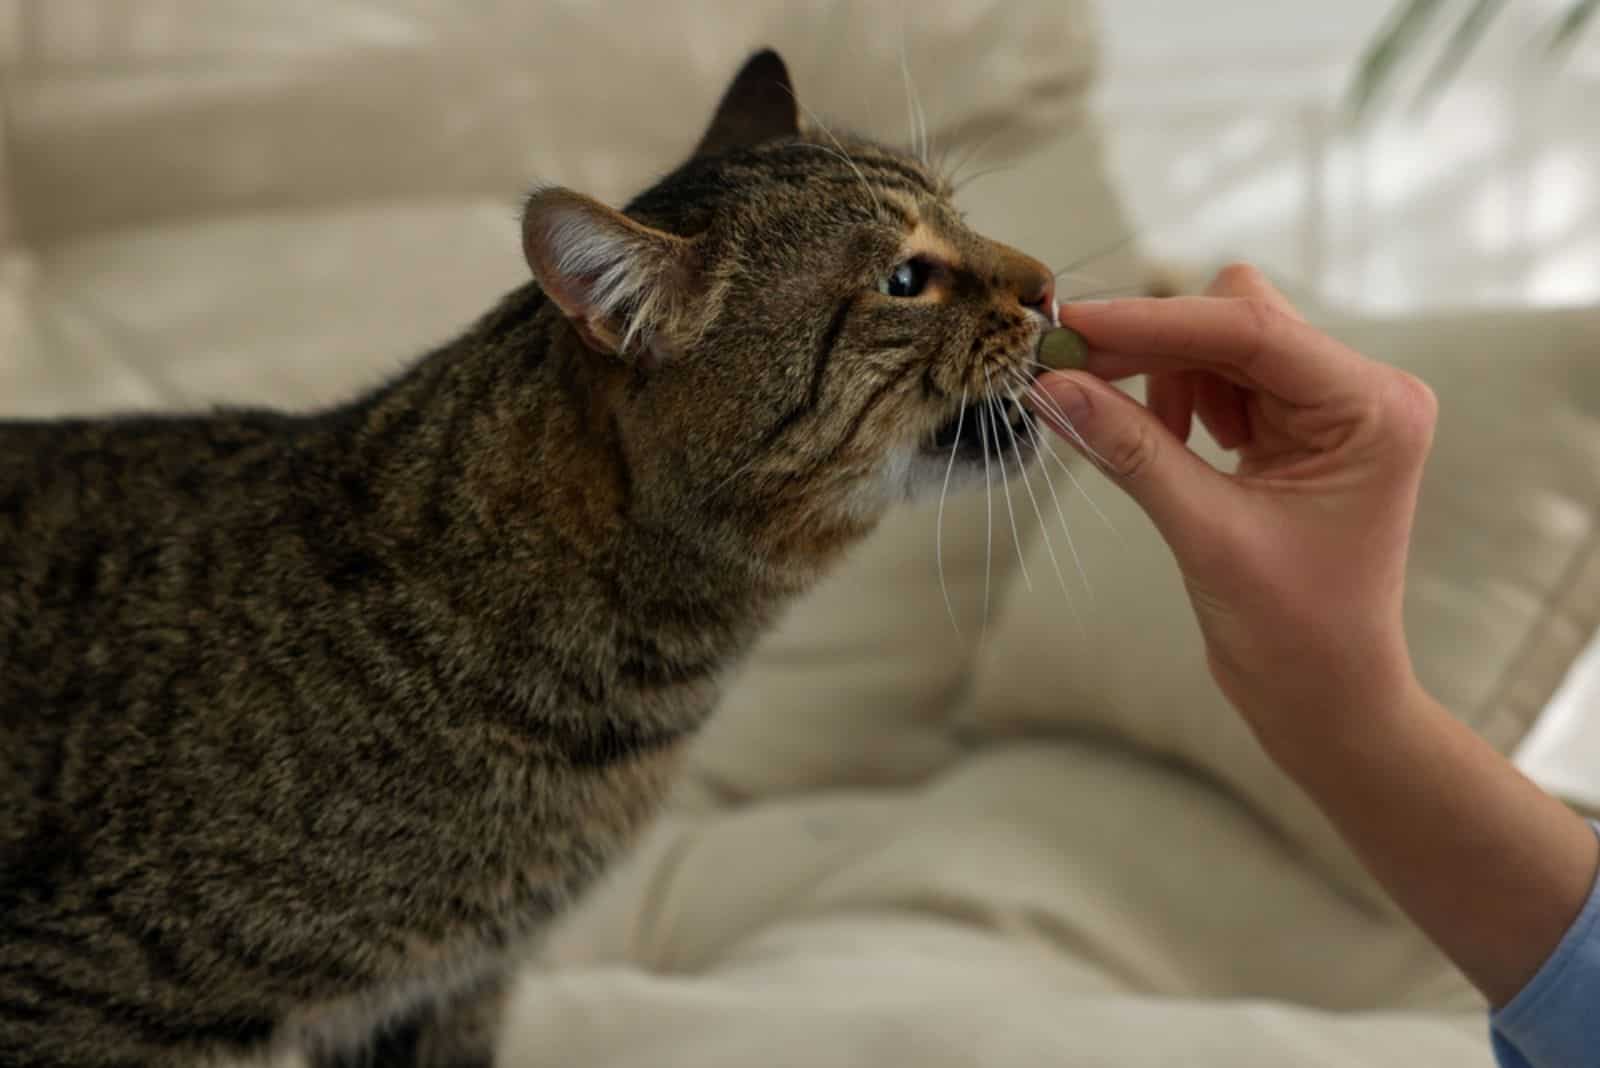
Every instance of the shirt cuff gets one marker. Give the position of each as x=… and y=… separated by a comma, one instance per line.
x=1553, y=1020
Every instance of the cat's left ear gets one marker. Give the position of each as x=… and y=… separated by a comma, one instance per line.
x=758, y=106
x=624, y=286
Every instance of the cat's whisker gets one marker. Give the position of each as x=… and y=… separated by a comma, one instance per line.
x=1082, y=491
x=971, y=154
x=973, y=177
x=1042, y=443
x=1100, y=253
x=1061, y=516
x=1027, y=482
x=905, y=81
x=922, y=122
x=1073, y=276
x=1005, y=479
x=938, y=538
x=988, y=519
x=1077, y=484
x=1059, y=417
x=918, y=120
x=1132, y=289
x=1054, y=416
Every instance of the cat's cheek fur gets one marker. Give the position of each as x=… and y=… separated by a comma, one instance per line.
x=903, y=475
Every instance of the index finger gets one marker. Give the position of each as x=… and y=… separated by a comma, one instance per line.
x=1247, y=340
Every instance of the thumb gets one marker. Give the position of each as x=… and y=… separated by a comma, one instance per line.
x=1176, y=488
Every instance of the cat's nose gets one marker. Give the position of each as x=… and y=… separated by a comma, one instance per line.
x=1039, y=293
x=1028, y=280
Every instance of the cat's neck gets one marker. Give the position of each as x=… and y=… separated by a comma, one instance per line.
x=501, y=486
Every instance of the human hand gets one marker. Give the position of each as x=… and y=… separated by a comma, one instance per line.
x=1295, y=561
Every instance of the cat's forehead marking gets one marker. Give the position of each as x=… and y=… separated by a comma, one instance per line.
x=923, y=236
x=925, y=240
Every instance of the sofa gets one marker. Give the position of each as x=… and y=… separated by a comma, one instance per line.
x=1024, y=830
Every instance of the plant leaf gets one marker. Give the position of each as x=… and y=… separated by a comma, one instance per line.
x=1572, y=24
x=1468, y=32
x=1383, y=56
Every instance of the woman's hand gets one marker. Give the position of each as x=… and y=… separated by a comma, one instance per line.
x=1295, y=562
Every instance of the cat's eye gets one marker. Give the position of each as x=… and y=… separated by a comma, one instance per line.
x=908, y=279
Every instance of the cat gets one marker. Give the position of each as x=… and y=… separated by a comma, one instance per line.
x=307, y=720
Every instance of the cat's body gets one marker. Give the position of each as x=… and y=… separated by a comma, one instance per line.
x=307, y=719
x=390, y=646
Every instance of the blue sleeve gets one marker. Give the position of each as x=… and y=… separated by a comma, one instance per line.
x=1554, y=1022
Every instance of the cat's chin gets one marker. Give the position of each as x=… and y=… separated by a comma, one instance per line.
x=965, y=463
x=983, y=435
x=998, y=422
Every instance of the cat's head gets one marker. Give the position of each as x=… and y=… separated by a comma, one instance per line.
x=797, y=325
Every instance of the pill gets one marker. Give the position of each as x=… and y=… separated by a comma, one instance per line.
x=1062, y=349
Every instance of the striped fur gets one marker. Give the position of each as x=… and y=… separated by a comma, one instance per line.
x=308, y=720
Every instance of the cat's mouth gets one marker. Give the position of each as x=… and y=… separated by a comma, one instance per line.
x=994, y=424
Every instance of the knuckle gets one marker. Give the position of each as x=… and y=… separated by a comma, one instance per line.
x=1263, y=321
x=1413, y=408
x=1264, y=315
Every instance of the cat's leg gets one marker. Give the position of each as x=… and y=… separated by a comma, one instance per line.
x=461, y=1032
x=455, y=1031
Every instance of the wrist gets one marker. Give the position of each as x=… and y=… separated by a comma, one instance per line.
x=1353, y=728
x=1302, y=678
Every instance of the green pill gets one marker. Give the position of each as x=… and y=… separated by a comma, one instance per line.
x=1062, y=349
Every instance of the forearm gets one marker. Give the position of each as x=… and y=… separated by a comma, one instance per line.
x=1491, y=867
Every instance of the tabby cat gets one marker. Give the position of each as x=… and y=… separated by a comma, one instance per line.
x=307, y=719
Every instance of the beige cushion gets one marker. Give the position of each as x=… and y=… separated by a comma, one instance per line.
x=236, y=106
x=1054, y=902
x=1504, y=582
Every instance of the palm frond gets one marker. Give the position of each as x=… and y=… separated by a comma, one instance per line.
x=1408, y=28
x=1383, y=56
x=1572, y=24
x=1463, y=39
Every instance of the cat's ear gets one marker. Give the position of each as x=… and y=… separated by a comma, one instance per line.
x=758, y=106
x=624, y=286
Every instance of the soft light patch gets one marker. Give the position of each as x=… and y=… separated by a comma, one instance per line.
x=1562, y=751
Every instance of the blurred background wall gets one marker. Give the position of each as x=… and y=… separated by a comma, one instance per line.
x=1229, y=140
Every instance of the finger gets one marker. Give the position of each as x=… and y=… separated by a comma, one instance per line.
x=1171, y=398
x=1180, y=492
x=1223, y=408
x=1247, y=340
x=1115, y=366
x=1243, y=280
